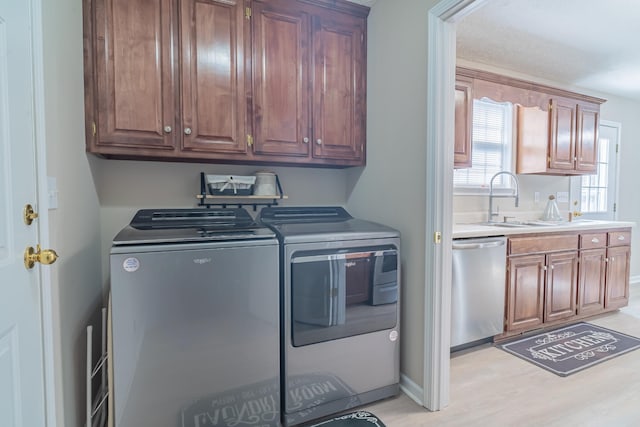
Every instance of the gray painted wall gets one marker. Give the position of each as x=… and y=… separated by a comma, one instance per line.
x=75, y=225
x=392, y=188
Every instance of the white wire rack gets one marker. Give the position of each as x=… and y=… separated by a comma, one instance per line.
x=96, y=406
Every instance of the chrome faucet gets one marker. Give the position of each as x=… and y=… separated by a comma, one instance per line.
x=515, y=195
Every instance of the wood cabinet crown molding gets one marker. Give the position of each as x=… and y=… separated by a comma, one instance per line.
x=525, y=84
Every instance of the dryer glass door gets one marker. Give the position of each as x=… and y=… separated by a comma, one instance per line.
x=340, y=294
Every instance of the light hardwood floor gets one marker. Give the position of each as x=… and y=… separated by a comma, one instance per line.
x=491, y=388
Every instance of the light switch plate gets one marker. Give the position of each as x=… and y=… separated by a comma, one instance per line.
x=52, y=189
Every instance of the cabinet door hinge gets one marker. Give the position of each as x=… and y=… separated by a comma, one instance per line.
x=437, y=237
x=247, y=12
x=93, y=128
x=617, y=148
x=249, y=140
x=615, y=207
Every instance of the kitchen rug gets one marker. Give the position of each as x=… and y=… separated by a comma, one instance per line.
x=355, y=419
x=568, y=350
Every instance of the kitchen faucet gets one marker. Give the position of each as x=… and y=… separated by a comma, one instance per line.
x=515, y=195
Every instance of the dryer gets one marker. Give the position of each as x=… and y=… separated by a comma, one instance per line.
x=340, y=287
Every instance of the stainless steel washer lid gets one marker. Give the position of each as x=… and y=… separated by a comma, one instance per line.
x=151, y=226
x=321, y=224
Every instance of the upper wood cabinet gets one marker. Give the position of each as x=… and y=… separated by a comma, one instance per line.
x=463, y=123
x=214, y=103
x=309, y=87
x=557, y=130
x=560, y=141
x=131, y=76
x=277, y=82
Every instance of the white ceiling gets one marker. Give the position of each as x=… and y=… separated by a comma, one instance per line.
x=591, y=44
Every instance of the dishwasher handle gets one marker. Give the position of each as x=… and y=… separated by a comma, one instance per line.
x=479, y=245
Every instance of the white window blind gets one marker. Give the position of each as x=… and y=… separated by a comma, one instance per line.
x=491, y=151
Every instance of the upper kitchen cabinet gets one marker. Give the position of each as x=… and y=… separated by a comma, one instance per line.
x=277, y=82
x=463, y=123
x=309, y=81
x=560, y=141
x=557, y=130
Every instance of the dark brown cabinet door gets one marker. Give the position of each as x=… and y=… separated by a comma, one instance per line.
x=525, y=292
x=562, y=136
x=338, y=87
x=280, y=79
x=561, y=286
x=617, y=282
x=463, y=124
x=214, y=106
x=587, y=139
x=591, y=282
x=134, y=55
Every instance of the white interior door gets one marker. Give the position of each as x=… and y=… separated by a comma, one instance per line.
x=21, y=356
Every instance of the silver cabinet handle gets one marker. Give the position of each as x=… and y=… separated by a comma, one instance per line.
x=305, y=140
x=552, y=266
x=620, y=238
x=544, y=268
x=595, y=240
x=167, y=129
x=187, y=131
x=319, y=141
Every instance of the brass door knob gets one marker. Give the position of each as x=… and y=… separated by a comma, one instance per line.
x=46, y=256
x=28, y=214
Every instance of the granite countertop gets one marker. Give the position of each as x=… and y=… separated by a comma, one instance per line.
x=531, y=227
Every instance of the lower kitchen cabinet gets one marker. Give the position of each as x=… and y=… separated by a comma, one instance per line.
x=591, y=282
x=553, y=278
x=542, y=280
x=525, y=292
x=561, y=286
x=541, y=288
x=617, y=282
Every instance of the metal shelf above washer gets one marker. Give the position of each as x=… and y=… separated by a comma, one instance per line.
x=208, y=200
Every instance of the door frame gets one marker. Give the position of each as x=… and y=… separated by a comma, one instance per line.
x=42, y=194
x=441, y=62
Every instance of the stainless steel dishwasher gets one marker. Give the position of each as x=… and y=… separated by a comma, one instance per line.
x=477, y=289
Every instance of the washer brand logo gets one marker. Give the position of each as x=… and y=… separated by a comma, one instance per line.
x=202, y=260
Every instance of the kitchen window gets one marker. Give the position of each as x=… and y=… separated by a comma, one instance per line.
x=491, y=153
x=595, y=195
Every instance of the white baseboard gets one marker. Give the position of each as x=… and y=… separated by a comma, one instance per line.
x=634, y=280
x=411, y=389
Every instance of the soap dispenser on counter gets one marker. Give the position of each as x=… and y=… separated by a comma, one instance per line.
x=551, y=212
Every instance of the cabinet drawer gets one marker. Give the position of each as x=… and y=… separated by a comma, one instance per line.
x=593, y=240
x=528, y=245
x=619, y=238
